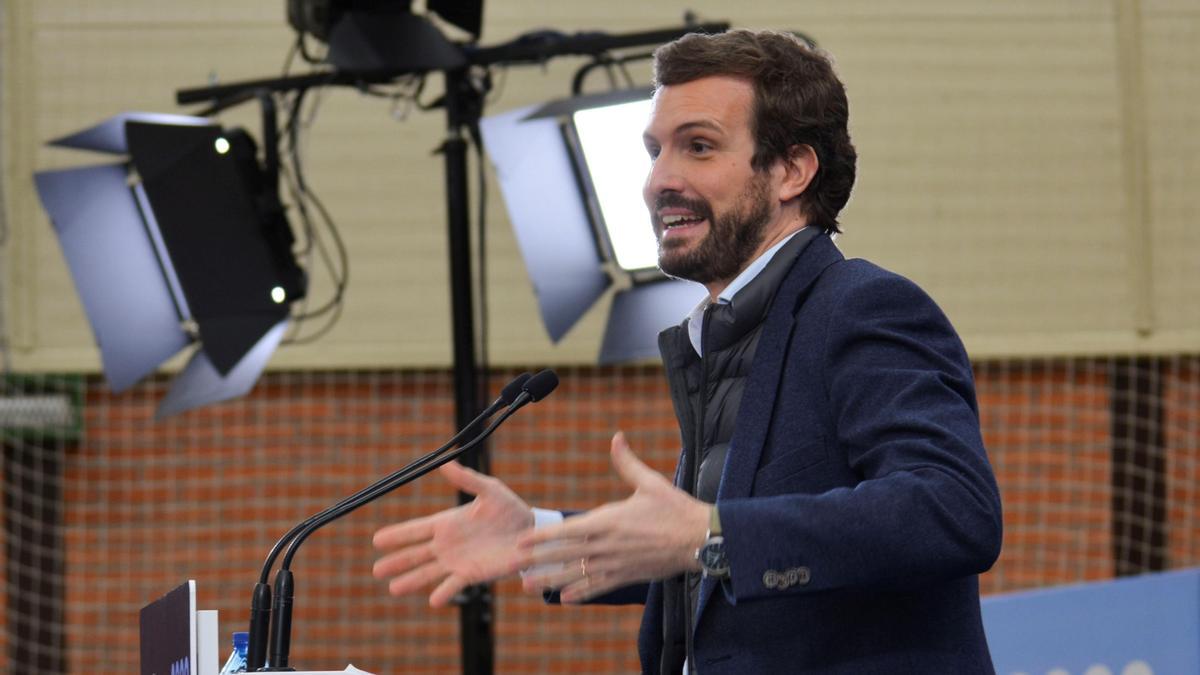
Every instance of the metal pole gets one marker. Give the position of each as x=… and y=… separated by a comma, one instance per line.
x=463, y=106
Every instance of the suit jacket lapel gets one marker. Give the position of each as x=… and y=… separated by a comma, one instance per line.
x=753, y=420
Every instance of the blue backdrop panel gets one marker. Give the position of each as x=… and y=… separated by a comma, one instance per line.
x=1141, y=626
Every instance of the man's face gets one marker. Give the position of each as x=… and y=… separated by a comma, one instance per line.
x=710, y=210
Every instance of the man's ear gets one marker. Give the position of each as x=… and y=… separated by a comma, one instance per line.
x=799, y=168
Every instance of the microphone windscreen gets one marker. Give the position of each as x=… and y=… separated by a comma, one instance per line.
x=513, y=389
x=539, y=386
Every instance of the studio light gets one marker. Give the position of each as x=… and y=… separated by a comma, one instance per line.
x=182, y=242
x=371, y=36
x=571, y=173
x=609, y=143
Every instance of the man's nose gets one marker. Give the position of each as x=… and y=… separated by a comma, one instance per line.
x=664, y=177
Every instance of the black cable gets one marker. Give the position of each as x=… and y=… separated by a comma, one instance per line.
x=335, y=304
x=339, y=274
x=291, y=56
x=303, y=196
x=405, y=88
x=293, y=187
x=494, y=95
x=608, y=62
x=481, y=242
x=417, y=97
x=625, y=71
x=304, y=54
x=612, y=77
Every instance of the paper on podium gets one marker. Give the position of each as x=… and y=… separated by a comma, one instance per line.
x=208, y=653
x=350, y=670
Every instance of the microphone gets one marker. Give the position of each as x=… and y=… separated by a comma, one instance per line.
x=535, y=388
x=532, y=389
x=260, y=604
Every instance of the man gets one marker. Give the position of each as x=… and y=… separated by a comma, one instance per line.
x=833, y=503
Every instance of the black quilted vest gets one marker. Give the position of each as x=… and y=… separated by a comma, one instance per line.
x=706, y=392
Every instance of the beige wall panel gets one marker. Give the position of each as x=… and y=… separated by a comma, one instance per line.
x=989, y=133
x=156, y=12
x=1168, y=8
x=1172, y=86
x=768, y=14
x=988, y=170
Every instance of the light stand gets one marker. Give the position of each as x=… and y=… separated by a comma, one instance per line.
x=463, y=102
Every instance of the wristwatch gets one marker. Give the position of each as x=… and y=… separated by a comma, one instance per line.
x=711, y=554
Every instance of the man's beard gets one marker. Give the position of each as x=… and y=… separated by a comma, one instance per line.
x=732, y=238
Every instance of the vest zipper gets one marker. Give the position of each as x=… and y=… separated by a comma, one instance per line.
x=694, y=485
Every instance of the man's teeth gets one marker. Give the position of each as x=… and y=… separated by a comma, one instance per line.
x=672, y=221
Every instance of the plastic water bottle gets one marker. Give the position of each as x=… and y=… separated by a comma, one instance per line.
x=237, y=660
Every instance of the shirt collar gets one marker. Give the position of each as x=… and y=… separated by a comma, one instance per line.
x=695, y=319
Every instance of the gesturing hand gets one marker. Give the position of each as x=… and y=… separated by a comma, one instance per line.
x=652, y=534
x=469, y=544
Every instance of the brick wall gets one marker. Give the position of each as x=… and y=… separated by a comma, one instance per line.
x=203, y=496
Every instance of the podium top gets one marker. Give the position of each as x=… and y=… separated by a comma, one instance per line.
x=349, y=670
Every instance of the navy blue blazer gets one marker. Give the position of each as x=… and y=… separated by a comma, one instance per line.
x=857, y=501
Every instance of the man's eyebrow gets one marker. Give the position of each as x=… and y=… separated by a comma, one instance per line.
x=698, y=124
x=685, y=128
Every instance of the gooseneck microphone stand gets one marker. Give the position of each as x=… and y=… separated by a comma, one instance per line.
x=537, y=388
x=260, y=605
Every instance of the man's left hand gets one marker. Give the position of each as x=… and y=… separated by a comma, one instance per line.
x=652, y=534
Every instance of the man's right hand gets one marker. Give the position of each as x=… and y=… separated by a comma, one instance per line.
x=469, y=544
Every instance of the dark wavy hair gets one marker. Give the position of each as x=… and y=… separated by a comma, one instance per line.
x=798, y=100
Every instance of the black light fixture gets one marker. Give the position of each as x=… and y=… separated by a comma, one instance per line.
x=571, y=173
x=183, y=242
x=371, y=36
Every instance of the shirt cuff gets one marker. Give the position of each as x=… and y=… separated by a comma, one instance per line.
x=544, y=518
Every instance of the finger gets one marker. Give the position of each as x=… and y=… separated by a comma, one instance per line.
x=401, y=561
x=465, y=479
x=445, y=591
x=564, y=552
x=417, y=579
x=554, y=576
x=628, y=466
x=583, y=590
x=408, y=532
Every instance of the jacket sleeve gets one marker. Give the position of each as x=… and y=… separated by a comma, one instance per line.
x=923, y=505
x=625, y=595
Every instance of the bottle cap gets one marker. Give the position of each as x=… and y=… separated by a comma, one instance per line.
x=241, y=638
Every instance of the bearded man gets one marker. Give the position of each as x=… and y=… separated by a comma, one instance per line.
x=833, y=503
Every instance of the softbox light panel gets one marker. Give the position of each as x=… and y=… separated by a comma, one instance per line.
x=640, y=313
x=608, y=140
x=109, y=135
x=191, y=246
x=212, y=231
x=115, y=269
x=547, y=214
x=558, y=239
x=201, y=383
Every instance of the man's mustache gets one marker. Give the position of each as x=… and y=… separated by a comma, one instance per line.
x=699, y=207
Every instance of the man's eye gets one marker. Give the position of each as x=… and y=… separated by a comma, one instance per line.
x=653, y=152
x=700, y=147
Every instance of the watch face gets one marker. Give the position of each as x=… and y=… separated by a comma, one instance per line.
x=712, y=557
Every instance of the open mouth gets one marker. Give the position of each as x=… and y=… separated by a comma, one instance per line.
x=677, y=221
